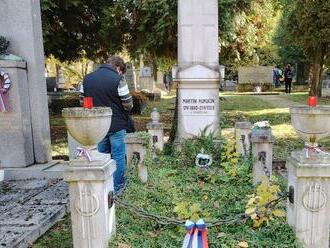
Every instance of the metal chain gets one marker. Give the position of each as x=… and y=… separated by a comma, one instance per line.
x=262, y=159
x=163, y=220
x=176, y=222
x=243, y=137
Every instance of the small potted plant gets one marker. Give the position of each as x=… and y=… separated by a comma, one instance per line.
x=261, y=128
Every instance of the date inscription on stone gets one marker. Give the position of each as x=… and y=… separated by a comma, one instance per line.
x=198, y=106
x=9, y=123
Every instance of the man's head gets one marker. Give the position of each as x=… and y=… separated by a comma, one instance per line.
x=117, y=63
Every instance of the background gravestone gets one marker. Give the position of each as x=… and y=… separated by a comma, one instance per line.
x=255, y=75
x=130, y=77
x=21, y=25
x=16, y=149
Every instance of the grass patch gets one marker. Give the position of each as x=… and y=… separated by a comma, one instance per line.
x=301, y=97
x=59, y=236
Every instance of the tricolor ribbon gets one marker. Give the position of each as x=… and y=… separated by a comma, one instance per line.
x=315, y=149
x=196, y=236
x=83, y=153
x=4, y=87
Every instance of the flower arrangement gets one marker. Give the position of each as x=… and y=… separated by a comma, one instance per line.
x=4, y=43
x=261, y=124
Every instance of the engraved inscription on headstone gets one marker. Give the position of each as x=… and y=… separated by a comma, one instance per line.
x=198, y=106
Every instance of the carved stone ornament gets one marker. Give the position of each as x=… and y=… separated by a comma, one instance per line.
x=87, y=204
x=314, y=198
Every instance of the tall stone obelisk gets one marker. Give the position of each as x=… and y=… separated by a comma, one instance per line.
x=197, y=73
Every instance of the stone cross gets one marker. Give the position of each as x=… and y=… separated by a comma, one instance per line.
x=198, y=33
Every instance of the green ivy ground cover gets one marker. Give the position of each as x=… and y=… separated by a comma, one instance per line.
x=177, y=188
x=174, y=179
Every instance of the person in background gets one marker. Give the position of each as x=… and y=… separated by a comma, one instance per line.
x=108, y=88
x=288, y=75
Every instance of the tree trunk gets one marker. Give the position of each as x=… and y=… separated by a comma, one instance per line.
x=316, y=72
x=317, y=68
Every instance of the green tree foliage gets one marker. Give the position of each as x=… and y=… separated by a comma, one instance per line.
x=71, y=28
x=308, y=27
x=149, y=27
x=247, y=30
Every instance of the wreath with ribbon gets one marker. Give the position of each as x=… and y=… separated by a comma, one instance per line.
x=5, y=84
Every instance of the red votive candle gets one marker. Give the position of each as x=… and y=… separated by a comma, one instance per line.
x=312, y=101
x=88, y=102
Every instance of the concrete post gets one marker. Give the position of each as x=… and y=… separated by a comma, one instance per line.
x=156, y=130
x=135, y=154
x=242, y=135
x=90, y=187
x=308, y=205
x=262, y=152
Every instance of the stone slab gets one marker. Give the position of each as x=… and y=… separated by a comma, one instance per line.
x=255, y=75
x=51, y=170
x=42, y=206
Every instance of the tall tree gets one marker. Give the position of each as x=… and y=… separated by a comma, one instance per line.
x=308, y=26
x=71, y=28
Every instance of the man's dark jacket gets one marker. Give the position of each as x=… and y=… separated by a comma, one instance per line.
x=102, y=85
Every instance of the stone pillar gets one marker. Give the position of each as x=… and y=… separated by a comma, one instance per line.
x=16, y=139
x=308, y=205
x=156, y=130
x=135, y=154
x=242, y=135
x=90, y=187
x=197, y=74
x=21, y=25
x=262, y=152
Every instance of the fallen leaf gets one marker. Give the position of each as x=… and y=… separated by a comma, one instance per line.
x=221, y=234
x=243, y=244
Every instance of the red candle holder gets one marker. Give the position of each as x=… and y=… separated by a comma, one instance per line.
x=312, y=101
x=88, y=102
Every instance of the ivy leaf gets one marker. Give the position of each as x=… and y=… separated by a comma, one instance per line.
x=250, y=211
x=278, y=213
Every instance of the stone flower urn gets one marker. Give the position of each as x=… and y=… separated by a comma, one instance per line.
x=87, y=126
x=311, y=123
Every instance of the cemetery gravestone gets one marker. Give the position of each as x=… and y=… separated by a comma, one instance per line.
x=21, y=25
x=326, y=87
x=15, y=125
x=130, y=77
x=255, y=75
x=146, y=80
x=197, y=73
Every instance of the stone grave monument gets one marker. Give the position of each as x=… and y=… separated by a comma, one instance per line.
x=197, y=74
x=308, y=205
x=130, y=77
x=251, y=76
x=90, y=179
x=24, y=131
